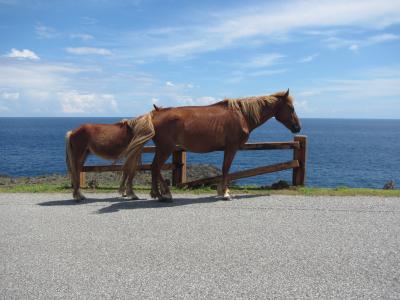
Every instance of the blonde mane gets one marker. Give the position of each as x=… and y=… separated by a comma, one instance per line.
x=251, y=107
x=143, y=130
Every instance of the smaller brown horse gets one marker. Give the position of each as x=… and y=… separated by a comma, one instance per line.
x=225, y=125
x=109, y=141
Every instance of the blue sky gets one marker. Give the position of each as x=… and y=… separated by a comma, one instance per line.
x=340, y=59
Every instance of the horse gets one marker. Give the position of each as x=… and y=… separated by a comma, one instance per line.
x=225, y=125
x=109, y=141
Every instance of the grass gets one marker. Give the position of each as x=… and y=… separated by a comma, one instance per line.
x=306, y=191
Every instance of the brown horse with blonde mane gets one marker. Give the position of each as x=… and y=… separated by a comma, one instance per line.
x=124, y=139
x=225, y=125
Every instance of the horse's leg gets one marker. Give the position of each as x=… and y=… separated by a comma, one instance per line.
x=159, y=159
x=122, y=185
x=80, y=154
x=128, y=173
x=165, y=191
x=129, y=189
x=229, y=155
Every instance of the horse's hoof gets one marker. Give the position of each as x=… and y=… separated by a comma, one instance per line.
x=132, y=197
x=227, y=198
x=154, y=195
x=121, y=191
x=166, y=195
x=78, y=196
x=165, y=200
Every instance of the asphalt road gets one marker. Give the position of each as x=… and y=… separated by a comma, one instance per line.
x=277, y=247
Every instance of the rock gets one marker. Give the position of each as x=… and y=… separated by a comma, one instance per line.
x=93, y=184
x=95, y=180
x=280, y=185
x=197, y=171
x=389, y=185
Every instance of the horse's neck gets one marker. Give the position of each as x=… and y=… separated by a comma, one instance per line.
x=264, y=117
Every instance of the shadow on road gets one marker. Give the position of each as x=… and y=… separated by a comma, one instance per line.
x=86, y=201
x=118, y=203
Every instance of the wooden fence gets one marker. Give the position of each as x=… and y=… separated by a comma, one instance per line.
x=179, y=164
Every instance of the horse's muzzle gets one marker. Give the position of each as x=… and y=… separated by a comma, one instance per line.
x=296, y=128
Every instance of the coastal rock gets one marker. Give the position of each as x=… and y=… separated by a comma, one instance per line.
x=280, y=185
x=390, y=185
x=108, y=179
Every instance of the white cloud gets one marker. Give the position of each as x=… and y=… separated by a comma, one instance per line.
x=37, y=94
x=244, y=25
x=9, y=95
x=265, y=60
x=363, y=94
x=4, y=108
x=381, y=38
x=355, y=44
x=205, y=100
x=88, y=51
x=356, y=89
x=22, y=54
x=365, y=88
x=74, y=102
x=82, y=36
x=154, y=100
x=27, y=75
x=309, y=58
x=354, y=47
x=188, y=100
x=309, y=93
x=169, y=83
x=45, y=32
x=302, y=106
x=267, y=72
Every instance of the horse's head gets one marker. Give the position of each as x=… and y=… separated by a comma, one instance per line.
x=285, y=112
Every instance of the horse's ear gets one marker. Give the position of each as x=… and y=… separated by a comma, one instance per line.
x=287, y=93
x=156, y=107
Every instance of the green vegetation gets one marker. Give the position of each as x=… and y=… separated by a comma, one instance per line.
x=307, y=191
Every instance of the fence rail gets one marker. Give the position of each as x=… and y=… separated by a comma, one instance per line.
x=179, y=164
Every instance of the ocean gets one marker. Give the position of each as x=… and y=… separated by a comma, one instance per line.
x=341, y=152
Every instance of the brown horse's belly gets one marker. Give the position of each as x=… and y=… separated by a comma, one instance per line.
x=109, y=141
x=110, y=153
x=200, y=144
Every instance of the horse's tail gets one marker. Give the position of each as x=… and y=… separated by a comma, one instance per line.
x=143, y=130
x=69, y=157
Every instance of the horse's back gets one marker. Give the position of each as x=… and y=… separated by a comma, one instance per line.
x=105, y=140
x=199, y=128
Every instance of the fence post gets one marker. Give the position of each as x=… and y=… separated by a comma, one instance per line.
x=179, y=171
x=82, y=179
x=299, y=174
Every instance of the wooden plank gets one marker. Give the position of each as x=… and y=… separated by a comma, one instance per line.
x=246, y=173
x=245, y=147
x=152, y=149
x=115, y=168
x=299, y=174
x=149, y=149
x=270, y=146
x=179, y=172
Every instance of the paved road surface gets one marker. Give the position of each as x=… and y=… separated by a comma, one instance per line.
x=277, y=247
